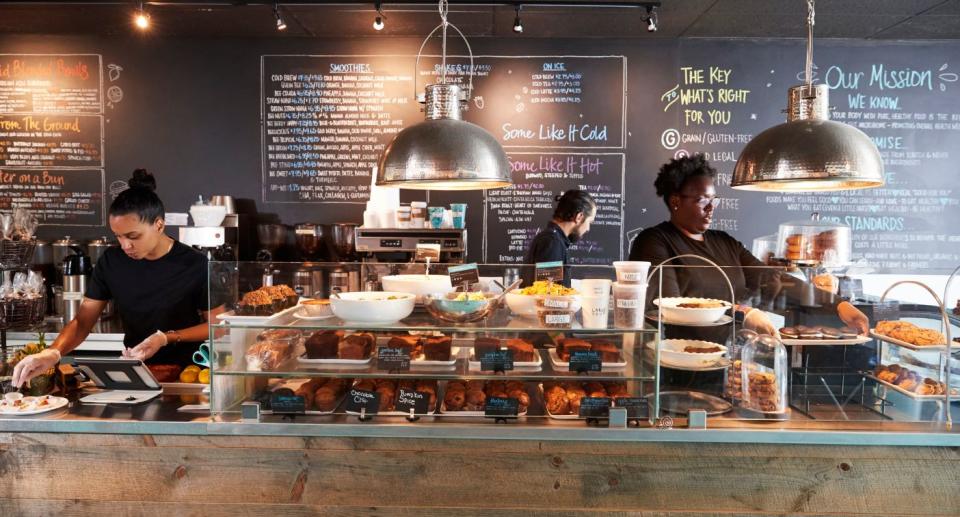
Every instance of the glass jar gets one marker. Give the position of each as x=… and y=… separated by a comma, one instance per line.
x=763, y=375
x=815, y=242
x=418, y=214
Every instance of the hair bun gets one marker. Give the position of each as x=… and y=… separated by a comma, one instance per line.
x=143, y=179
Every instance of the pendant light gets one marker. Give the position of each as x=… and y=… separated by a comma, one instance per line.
x=809, y=152
x=444, y=152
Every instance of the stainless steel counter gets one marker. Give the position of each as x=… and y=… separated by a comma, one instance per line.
x=161, y=416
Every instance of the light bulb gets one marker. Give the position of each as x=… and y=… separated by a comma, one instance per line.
x=517, y=26
x=142, y=20
x=378, y=23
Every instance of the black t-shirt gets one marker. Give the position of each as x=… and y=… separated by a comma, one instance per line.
x=665, y=240
x=164, y=294
x=550, y=245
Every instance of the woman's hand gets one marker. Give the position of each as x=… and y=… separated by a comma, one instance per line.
x=33, y=365
x=147, y=348
x=853, y=317
x=758, y=321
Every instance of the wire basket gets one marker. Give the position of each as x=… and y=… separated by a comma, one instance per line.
x=16, y=254
x=22, y=312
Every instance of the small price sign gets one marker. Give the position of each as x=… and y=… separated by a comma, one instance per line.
x=282, y=404
x=636, y=407
x=582, y=361
x=549, y=271
x=418, y=401
x=594, y=407
x=499, y=407
x=493, y=359
x=464, y=276
x=362, y=401
x=391, y=359
x=427, y=253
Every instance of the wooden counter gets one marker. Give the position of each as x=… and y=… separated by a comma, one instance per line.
x=71, y=474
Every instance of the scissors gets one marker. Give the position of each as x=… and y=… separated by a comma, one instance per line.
x=202, y=356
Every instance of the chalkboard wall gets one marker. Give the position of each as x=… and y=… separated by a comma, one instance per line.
x=292, y=128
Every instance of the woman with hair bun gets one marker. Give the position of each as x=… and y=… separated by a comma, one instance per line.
x=159, y=285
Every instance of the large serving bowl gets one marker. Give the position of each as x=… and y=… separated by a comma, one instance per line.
x=526, y=304
x=672, y=354
x=376, y=307
x=445, y=307
x=712, y=311
x=420, y=285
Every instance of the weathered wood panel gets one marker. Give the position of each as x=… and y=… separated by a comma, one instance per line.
x=293, y=476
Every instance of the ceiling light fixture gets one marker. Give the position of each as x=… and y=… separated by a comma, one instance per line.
x=378, y=21
x=517, y=25
x=141, y=19
x=651, y=18
x=281, y=25
x=809, y=152
x=444, y=152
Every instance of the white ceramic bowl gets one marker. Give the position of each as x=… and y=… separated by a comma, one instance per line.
x=526, y=305
x=208, y=215
x=420, y=285
x=672, y=354
x=373, y=306
x=692, y=316
x=316, y=308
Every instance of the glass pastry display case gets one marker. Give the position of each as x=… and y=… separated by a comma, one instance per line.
x=359, y=354
x=815, y=242
x=383, y=356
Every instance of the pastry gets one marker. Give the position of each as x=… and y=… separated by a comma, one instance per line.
x=412, y=344
x=454, y=399
x=476, y=400
x=789, y=333
x=325, y=398
x=355, y=347
x=559, y=405
x=523, y=351
x=609, y=353
x=486, y=342
x=809, y=332
x=849, y=332
x=830, y=333
x=573, y=345
x=267, y=355
x=323, y=344
x=702, y=349
x=437, y=348
x=910, y=333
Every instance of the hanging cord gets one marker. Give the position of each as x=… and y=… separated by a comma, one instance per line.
x=444, y=9
x=810, y=16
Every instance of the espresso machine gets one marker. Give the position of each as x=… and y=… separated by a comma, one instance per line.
x=400, y=245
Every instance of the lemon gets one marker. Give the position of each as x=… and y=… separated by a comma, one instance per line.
x=204, y=376
x=188, y=375
x=193, y=368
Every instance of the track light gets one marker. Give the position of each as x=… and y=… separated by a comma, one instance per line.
x=141, y=19
x=281, y=25
x=517, y=24
x=651, y=18
x=378, y=22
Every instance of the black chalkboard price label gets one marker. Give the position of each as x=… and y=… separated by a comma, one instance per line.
x=362, y=401
x=283, y=404
x=582, y=361
x=549, y=271
x=594, y=407
x=886, y=311
x=494, y=359
x=464, y=276
x=636, y=407
x=393, y=359
x=499, y=407
x=418, y=401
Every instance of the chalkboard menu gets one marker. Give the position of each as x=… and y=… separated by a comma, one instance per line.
x=723, y=93
x=51, y=137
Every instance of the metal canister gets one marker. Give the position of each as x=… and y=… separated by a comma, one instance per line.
x=97, y=247
x=61, y=250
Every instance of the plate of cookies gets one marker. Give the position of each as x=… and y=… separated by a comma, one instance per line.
x=909, y=382
x=908, y=335
x=562, y=399
x=802, y=335
x=469, y=398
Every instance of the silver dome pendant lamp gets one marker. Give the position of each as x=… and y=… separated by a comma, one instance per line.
x=444, y=152
x=809, y=152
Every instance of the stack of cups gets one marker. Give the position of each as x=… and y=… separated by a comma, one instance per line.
x=595, y=302
x=629, y=294
x=418, y=214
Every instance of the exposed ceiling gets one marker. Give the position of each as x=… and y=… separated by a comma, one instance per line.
x=866, y=19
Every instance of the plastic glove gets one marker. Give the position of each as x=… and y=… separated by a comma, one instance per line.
x=33, y=365
x=853, y=317
x=147, y=348
x=758, y=321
